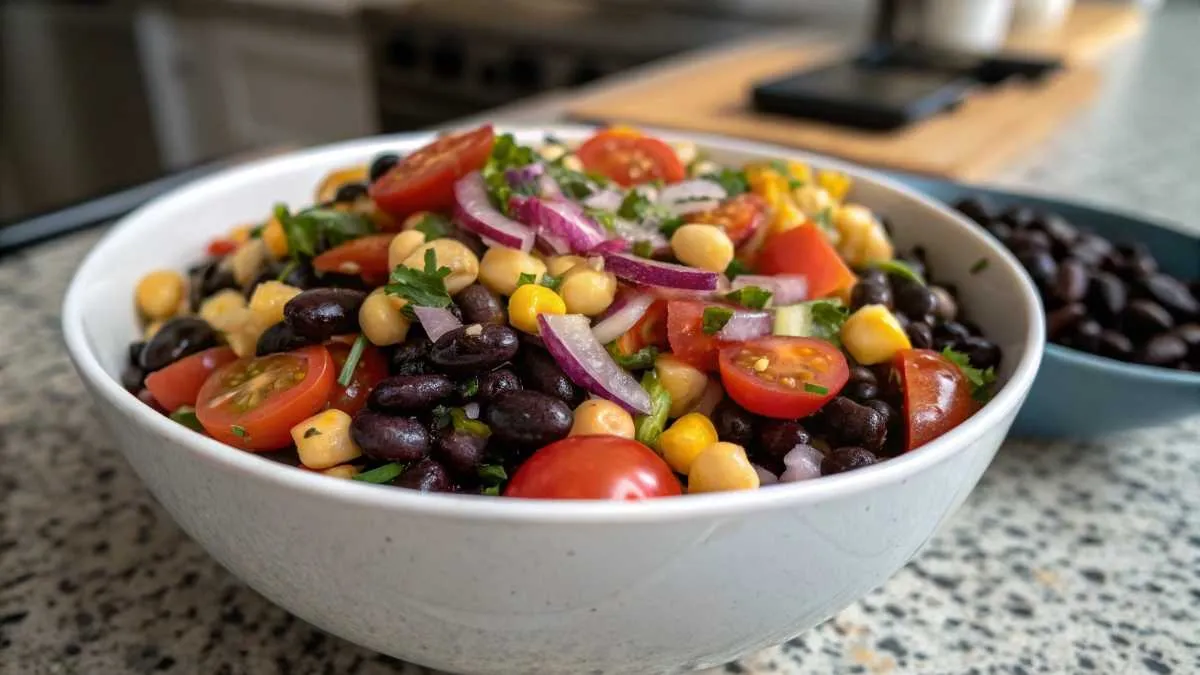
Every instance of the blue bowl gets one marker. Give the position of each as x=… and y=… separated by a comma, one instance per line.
x=1081, y=395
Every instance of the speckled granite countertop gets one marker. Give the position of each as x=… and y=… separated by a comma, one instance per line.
x=1069, y=557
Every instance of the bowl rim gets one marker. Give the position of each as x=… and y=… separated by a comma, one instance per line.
x=472, y=507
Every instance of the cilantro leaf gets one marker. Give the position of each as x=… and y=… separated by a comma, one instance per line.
x=821, y=319
x=981, y=380
x=381, y=474
x=311, y=230
x=750, y=296
x=669, y=225
x=639, y=360
x=899, y=268
x=647, y=428
x=737, y=267
x=433, y=226
x=493, y=477
x=425, y=288
x=715, y=319
x=733, y=180
x=470, y=388
x=506, y=154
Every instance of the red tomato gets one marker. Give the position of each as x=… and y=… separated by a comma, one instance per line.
x=424, y=181
x=367, y=256
x=629, y=158
x=799, y=376
x=253, y=403
x=649, y=331
x=804, y=250
x=179, y=383
x=937, y=396
x=739, y=217
x=221, y=246
x=594, y=467
x=685, y=332
x=372, y=367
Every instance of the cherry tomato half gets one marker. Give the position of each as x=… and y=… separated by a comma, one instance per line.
x=629, y=158
x=594, y=467
x=649, y=331
x=739, y=217
x=685, y=333
x=371, y=369
x=221, y=246
x=937, y=396
x=805, y=250
x=254, y=402
x=367, y=256
x=783, y=377
x=424, y=181
x=179, y=383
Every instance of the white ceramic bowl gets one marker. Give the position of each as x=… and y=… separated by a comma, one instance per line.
x=485, y=585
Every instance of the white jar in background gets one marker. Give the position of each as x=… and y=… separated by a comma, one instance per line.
x=965, y=25
x=1040, y=15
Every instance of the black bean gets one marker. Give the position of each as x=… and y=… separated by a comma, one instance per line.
x=981, y=352
x=135, y=352
x=410, y=394
x=132, y=378
x=528, y=419
x=1091, y=249
x=1019, y=216
x=321, y=313
x=1172, y=294
x=977, y=208
x=870, y=294
x=952, y=330
x=208, y=279
x=1061, y=232
x=1029, y=241
x=874, y=276
x=470, y=240
x=1000, y=230
x=846, y=459
x=1064, y=319
x=540, y=372
x=1115, y=345
x=426, y=476
x=382, y=163
x=1071, y=284
x=460, y=451
x=776, y=438
x=348, y=193
x=1144, y=317
x=863, y=374
x=913, y=299
x=479, y=305
x=176, y=339
x=1085, y=336
x=919, y=334
x=301, y=275
x=945, y=306
x=1136, y=262
x=854, y=423
x=733, y=423
x=411, y=357
x=351, y=282
x=497, y=382
x=280, y=338
x=1041, y=268
x=1163, y=350
x=1106, y=296
x=393, y=439
x=882, y=407
x=474, y=348
x=861, y=391
x=1190, y=334
x=915, y=261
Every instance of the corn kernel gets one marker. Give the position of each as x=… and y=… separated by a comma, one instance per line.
x=323, y=441
x=682, y=381
x=684, y=440
x=240, y=234
x=159, y=294
x=530, y=300
x=836, y=183
x=722, y=467
x=381, y=320
x=873, y=335
x=342, y=471
x=275, y=238
x=268, y=301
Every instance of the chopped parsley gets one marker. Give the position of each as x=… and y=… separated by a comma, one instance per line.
x=506, y=154
x=425, y=288
x=493, y=477
x=239, y=431
x=526, y=278
x=352, y=359
x=899, y=268
x=460, y=422
x=736, y=267
x=811, y=388
x=433, y=226
x=312, y=230
x=470, y=387
x=574, y=184
x=635, y=206
x=733, y=180
x=980, y=265
x=643, y=248
x=186, y=415
x=715, y=319
x=647, y=428
x=668, y=226
x=639, y=360
x=981, y=380
x=821, y=319
x=257, y=230
x=750, y=296
x=381, y=474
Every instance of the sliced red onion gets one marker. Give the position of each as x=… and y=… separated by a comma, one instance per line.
x=764, y=477
x=561, y=224
x=475, y=212
x=616, y=322
x=549, y=188
x=525, y=179
x=691, y=196
x=604, y=200
x=656, y=273
x=611, y=246
x=570, y=341
x=471, y=410
x=746, y=325
x=803, y=462
x=785, y=289
x=437, y=321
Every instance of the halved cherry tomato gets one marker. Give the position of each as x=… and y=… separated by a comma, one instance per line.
x=367, y=256
x=629, y=158
x=594, y=467
x=937, y=396
x=783, y=377
x=685, y=333
x=424, y=181
x=372, y=367
x=221, y=246
x=179, y=383
x=253, y=403
x=649, y=331
x=805, y=250
x=739, y=217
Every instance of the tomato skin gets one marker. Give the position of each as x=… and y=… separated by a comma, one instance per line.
x=937, y=396
x=594, y=467
x=221, y=246
x=179, y=383
x=372, y=368
x=367, y=256
x=649, y=331
x=629, y=158
x=268, y=424
x=804, y=250
x=424, y=180
x=685, y=333
x=745, y=386
x=739, y=217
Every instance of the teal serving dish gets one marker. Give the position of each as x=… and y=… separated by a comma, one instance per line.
x=1081, y=395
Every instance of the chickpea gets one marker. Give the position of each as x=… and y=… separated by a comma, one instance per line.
x=598, y=416
x=381, y=320
x=464, y=266
x=502, y=267
x=720, y=468
x=683, y=382
x=159, y=294
x=224, y=309
x=403, y=245
x=247, y=261
x=561, y=264
x=703, y=246
x=587, y=291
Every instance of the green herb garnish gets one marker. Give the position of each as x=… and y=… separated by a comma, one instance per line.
x=426, y=288
x=824, y=219
x=309, y=230
x=643, y=248
x=649, y=427
x=460, y=421
x=287, y=270
x=668, y=226
x=381, y=474
x=750, y=296
x=552, y=282
x=257, y=230
x=715, y=319
x=811, y=388
x=186, y=415
x=981, y=380
x=356, y=350
x=736, y=267
x=979, y=266
x=786, y=171
x=506, y=154
x=526, y=278
x=733, y=180
x=239, y=431
x=433, y=226
x=470, y=387
x=639, y=360
x=493, y=477
x=821, y=319
x=899, y=268
x=606, y=219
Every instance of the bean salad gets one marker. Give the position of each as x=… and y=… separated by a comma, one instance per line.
x=615, y=319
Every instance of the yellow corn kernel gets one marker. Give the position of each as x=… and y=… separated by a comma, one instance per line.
x=159, y=294
x=682, y=381
x=323, y=441
x=530, y=300
x=862, y=237
x=836, y=183
x=328, y=187
x=598, y=416
x=403, y=245
x=381, y=320
x=268, y=301
x=873, y=335
x=247, y=261
x=684, y=440
x=223, y=309
x=800, y=171
x=342, y=471
x=275, y=238
x=722, y=467
x=812, y=199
